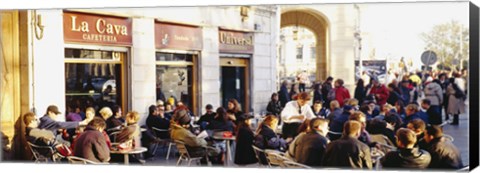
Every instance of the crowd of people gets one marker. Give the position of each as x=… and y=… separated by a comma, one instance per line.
x=403, y=119
x=336, y=131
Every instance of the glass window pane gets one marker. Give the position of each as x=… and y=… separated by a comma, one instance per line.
x=175, y=82
x=92, y=84
x=91, y=54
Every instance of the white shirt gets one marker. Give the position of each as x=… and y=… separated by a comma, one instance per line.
x=292, y=109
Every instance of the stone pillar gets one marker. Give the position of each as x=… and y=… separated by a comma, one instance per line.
x=209, y=70
x=142, y=67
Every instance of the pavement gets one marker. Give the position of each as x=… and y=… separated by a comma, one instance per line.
x=460, y=133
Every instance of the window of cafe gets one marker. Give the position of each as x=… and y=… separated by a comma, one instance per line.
x=177, y=48
x=96, y=51
x=93, y=77
x=174, y=77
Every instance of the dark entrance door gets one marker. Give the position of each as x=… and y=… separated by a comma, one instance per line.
x=234, y=82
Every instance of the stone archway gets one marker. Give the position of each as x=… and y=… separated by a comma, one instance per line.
x=319, y=25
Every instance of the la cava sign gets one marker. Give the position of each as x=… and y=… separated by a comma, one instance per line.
x=89, y=28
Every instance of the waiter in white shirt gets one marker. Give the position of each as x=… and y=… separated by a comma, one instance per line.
x=294, y=113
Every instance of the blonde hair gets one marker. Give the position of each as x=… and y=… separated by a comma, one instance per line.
x=133, y=117
x=106, y=112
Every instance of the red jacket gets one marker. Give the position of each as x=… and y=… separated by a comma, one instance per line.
x=382, y=93
x=341, y=94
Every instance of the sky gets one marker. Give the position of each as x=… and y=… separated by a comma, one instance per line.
x=395, y=28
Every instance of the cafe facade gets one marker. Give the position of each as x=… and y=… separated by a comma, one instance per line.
x=135, y=57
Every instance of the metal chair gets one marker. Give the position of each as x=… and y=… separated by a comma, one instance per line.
x=276, y=158
x=113, y=137
x=260, y=154
x=42, y=153
x=157, y=132
x=464, y=169
x=184, y=155
x=79, y=160
x=292, y=164
x=449, y=137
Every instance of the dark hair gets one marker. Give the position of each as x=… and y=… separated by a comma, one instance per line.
x=97, y=122
x=376, y=126
x=434, y=131
x=364, y=108
x=360, y=82
x=329, y=78
x=394, y=118
x=28, y=117
x=273, y=95
x=115, y=109
x=426, y=101
x=151, y=109
x=221, y=115
x=209, y=106
x=340, y=82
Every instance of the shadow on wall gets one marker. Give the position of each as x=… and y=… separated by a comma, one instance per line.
x=19, y=149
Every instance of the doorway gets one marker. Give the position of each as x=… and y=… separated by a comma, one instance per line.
x=235, y=82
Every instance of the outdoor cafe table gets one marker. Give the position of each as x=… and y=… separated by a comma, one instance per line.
x=125, y=153
x=219, y=136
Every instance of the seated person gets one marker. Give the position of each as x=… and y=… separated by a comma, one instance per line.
x=336, y=125
x=89, y=114
x=91, y=144
x=48, y=121
x=34, y=135
x=266, y=138
x=412, y=112
x=364, y=136
x=418, y=127
x=157, y=119
x=180, y=132
x=444, y=153
x=111, y=121
x=348, y=151
x=129, y=136
x=244, y=153
x=310, y=149
x=221, y=121
x=378, y=130
x=407, y=155
x=335, y=110
x=319, y=110
x=207, y=118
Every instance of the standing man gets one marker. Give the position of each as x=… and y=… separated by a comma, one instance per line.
x=348, y=151
x=326, y=87
x=433, y=92
x=294, y=113
x=341, y=93
x=379, y=91
x=302, y=80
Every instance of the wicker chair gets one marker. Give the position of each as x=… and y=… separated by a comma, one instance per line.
x=261, y=157
x=292, y=164
x=185, y=155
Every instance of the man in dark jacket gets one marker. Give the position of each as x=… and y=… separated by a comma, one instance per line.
x=91, y=143
x=310, y=149
x=326, y=87
x=348, y=151
x=337, y=124
x=407, y=155
x=206, y=118
x=48, y=121
x=283, y=94
x=444, y=154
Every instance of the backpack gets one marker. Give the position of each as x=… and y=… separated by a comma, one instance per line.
x=331, y=94
x=459, y=94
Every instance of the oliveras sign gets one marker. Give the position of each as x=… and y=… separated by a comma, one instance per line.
x=89, y=28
